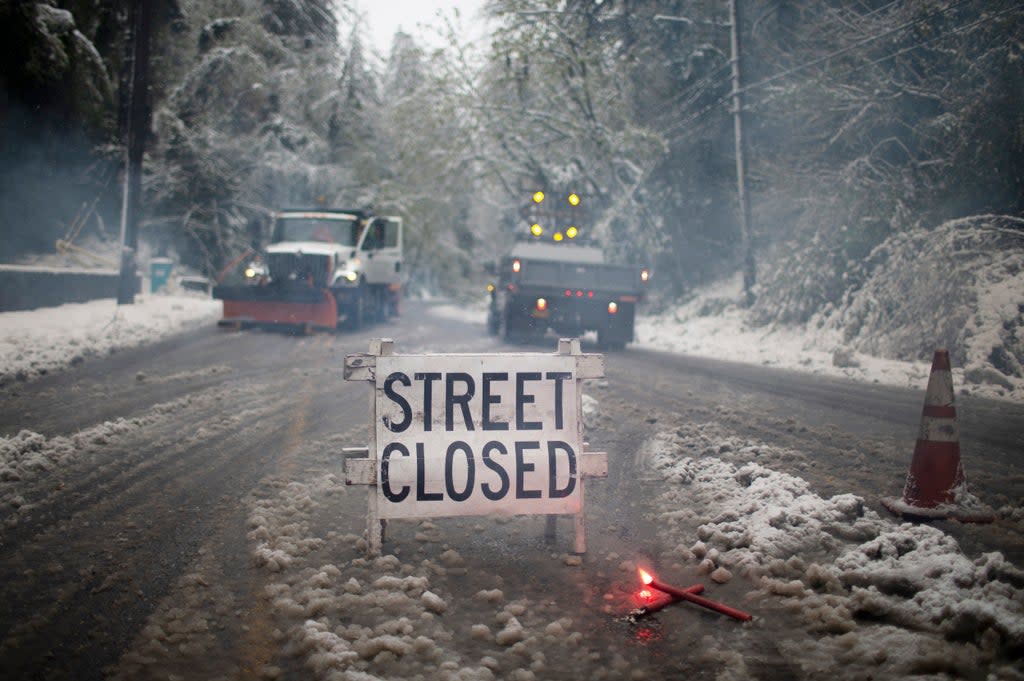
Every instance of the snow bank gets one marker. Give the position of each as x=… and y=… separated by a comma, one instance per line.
x=857, y=580
x=714, y=324
x=959, y=286
x=35, y=342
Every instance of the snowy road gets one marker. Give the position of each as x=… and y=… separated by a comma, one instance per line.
x=179, y=512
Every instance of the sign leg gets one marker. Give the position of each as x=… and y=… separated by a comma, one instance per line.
x=581, y=534
x=551, y=529
x=374, y=526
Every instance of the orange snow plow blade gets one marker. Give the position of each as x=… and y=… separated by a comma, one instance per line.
x=240, y=309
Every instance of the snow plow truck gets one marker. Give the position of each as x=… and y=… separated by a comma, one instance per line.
x=566, y=287
x=557, y=278
x=323, y=269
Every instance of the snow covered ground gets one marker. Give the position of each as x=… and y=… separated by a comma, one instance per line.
x=35, y=342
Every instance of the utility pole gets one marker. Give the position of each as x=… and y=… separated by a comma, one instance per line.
x=136, y=129
x=749, y=270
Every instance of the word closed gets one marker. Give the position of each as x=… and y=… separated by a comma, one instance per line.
x=476, y=435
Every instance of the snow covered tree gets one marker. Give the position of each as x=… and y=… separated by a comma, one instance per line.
x=244, y=130
x=555, y=109
x=57, y=107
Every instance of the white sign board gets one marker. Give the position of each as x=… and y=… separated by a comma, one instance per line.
x=476, y=435
x=458, y=435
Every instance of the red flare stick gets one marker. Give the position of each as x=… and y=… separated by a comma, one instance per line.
x=686, y=595
x=695, y=589
x=644, y=611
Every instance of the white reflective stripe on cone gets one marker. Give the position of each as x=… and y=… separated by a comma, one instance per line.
x=935, y=429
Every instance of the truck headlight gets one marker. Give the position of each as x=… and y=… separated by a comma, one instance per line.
x=345, y=276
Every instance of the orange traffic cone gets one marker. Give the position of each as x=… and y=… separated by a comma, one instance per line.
x=936, y=487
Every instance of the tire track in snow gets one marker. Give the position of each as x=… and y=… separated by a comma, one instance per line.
x=156, y=518
x=223, y=591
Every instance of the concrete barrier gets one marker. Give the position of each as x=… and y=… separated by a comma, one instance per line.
x=24, y=287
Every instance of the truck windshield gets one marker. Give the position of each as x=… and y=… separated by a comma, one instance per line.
x=334, y=229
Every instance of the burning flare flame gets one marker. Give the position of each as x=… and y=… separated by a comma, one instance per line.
x=645, y=576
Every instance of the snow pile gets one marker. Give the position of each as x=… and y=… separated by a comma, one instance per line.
x=35, y=342
x=960, y=286
x=714, y=324
x=859, y=580
x=421, y=617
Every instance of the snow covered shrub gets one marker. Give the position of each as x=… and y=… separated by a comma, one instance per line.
x=801, y=281
x=959, y=286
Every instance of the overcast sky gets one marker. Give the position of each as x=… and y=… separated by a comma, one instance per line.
x=387, y=16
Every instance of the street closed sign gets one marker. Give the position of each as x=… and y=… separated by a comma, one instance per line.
x=476, y=435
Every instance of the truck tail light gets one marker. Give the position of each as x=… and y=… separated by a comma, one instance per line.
x=542, y=304
x=516, y=265
x=613, y=307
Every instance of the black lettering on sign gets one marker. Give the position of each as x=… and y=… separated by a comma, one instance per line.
x=421, y=478
x=451, y=399
x=389, y=391
x=523, y=467
x=497, y=468
x=489, y=399
x=553, y=491
x=449, y=482
x=385, y=473
x=522, y=399
x=428, y=396
x=558, y=377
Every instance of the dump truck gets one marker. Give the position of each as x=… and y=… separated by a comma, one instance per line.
x=322, y=268
x=567, y=287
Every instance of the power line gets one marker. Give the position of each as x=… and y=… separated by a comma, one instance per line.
x=850, y=48
x=861, y=43
x=960, y=29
